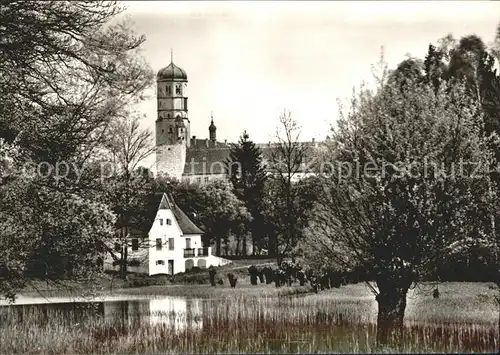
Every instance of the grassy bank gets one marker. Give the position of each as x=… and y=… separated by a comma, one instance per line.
x=249, y=319
x=111, y=283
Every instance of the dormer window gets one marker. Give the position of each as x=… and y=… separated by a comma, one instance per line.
x=161, y=222
x=169, y=222
x=170, y=130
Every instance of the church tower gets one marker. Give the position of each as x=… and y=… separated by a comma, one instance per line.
x=172, y=123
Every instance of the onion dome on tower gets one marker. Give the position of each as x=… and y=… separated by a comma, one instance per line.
x=171, y=72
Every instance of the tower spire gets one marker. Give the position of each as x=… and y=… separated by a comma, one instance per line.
x=171, y=55
x=212, y=129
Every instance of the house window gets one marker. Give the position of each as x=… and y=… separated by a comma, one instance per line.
x=168, y=90
x=161, y=222
x=198, y=179
x=170, y=243
x=160, y=262
x=118, y=247
x=158, y=243
x=169, y=221
x=170, y=130
x=206, y=179
x=178, y=90
x=135, y=244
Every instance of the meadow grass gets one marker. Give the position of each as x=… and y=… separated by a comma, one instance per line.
x=244, y=321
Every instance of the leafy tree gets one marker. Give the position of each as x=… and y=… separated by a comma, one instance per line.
x=49, y=235
x=396, y=192
x=284, y=238
x=434, y=67
x=128, y=187
x=247, y=174
x=285, y=203
x=496, y=44
x=468, y=61
x=65, y=75
x=214, y=208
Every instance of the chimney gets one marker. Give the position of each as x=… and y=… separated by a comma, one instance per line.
x=313, y=140
x=194, y=141
x=225, y=141
x=269, y=144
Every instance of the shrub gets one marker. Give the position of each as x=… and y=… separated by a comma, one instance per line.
x=212, y=273
x=301, y=276
x=268, y=273
x=260, y=275
x=280, y=277
x=134, y=262
x=232, y=280
x=253, y=271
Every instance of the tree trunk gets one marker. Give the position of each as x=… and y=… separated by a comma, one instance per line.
x=391, y=310
x=237, y=246
x=125, y=261
x=217, y=245
x=244, y=249
x=278, y=258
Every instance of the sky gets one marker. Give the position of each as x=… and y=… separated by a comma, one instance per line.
x=249, y=61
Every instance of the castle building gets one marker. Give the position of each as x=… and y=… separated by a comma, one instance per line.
x=178, y=154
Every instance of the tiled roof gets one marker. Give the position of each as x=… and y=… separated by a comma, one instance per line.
x=210, y=160
x=205, y=161
x=185, y=224
x=197, y=143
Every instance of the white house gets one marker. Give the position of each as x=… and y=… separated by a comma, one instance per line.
x=173, y=244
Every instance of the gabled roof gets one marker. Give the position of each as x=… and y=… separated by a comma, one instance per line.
x=185, y=224
x=165, y=203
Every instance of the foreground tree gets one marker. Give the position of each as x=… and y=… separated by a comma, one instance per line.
x=402, y=177
x=128, y=187
x=470, y=61
x=65, y=74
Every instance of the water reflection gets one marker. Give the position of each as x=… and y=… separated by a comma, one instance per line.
x=176, y=312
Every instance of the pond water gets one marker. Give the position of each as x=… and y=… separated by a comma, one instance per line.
x=302, y=323
x=176, y=312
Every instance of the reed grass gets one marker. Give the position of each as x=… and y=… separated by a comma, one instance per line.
x=338, y=320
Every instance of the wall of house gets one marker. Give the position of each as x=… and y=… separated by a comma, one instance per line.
x=203, y=178
x=159, y=259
